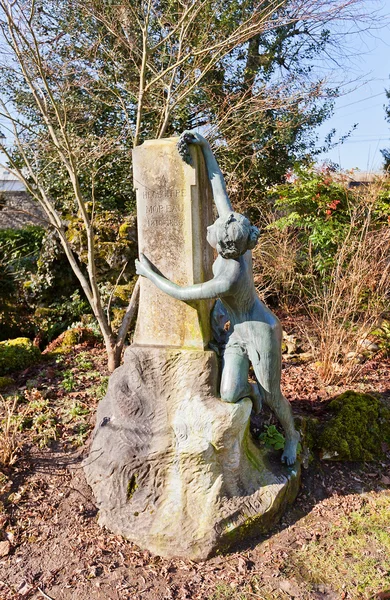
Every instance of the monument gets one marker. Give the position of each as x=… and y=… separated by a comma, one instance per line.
x=172, y=463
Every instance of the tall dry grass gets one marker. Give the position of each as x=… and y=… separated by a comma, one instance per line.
x=344, y=303
x=9, y=435
x=345, y=309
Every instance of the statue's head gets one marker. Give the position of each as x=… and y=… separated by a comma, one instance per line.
x=232, y=235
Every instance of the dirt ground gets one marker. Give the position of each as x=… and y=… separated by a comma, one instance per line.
x=53, y=547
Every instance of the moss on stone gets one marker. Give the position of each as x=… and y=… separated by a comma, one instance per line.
x=6, y=382
x=65, y=343
x=132, y=486
x=359, y=425
x=123, y=292
x=310, y=429
x=17, y=354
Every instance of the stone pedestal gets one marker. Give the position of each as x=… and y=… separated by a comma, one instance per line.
x=172, y=467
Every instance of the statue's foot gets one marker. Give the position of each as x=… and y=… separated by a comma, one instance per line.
x=289, y=455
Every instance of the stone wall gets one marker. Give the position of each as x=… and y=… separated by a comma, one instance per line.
x=17, y=210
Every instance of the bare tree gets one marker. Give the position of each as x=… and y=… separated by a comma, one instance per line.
x=160, y=56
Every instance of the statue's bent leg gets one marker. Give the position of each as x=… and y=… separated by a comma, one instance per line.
x=267, y=367
x=234, y=380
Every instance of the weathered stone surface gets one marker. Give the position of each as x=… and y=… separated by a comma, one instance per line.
x=173, y=468
x=174, y=208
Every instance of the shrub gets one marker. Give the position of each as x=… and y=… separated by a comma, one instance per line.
x=318, y=207
x=17, y=354
x=328, y=253
x=19, y=250
x=357, y=429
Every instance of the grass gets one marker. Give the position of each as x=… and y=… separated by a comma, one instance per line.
x=226, y=592
x=253, y=590
x=351, y=558
x=354, y=555
x=9, y=438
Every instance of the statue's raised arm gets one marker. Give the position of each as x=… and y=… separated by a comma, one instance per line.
x=216, y=178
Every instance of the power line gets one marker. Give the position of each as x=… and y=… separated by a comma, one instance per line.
x=369, y=141
x=361, y=100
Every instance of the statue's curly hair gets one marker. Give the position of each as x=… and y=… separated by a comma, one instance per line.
x=235, y=235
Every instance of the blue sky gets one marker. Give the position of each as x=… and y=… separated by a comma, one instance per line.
x=367, y=66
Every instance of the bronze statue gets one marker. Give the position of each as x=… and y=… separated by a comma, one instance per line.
x=255, y=333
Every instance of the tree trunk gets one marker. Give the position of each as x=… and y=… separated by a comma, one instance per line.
x=114, y=354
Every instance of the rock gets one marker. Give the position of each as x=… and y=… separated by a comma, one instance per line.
x=5, y=548
x=174, y=209
x=360, y=424
x=291, y=343
x=356, y=357
x=298, y=358
x=25, y=588
x=368, y=345
x=173, y=468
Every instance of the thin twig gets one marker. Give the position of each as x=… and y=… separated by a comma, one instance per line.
x=45, y=595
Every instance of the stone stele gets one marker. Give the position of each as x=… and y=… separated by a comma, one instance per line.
x=174, y=209
x=173, y=468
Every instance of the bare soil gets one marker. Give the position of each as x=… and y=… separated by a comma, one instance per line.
x=57, y=550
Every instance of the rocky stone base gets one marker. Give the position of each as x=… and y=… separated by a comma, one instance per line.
x=172, y=467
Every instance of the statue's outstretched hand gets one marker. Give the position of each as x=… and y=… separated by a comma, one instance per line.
x=139, y=269
x=144, y=266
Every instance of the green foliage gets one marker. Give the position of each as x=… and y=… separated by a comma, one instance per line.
x=321, y=209
x=68, y=381
x=83, y=362
x=272, y=438
x=382, y=335
x=19, y=251
x=101, y=390
x=39, y=417
x=318, y=207
x=17, y=354
x=39, y=295
x=35, y=279
x=19, y=248
x=115, y=243
x=359, y=425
